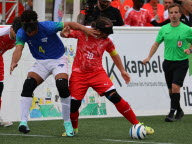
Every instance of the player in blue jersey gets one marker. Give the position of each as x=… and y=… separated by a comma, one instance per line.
x=48, y=50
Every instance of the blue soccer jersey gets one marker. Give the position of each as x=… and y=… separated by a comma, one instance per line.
x=45, y=44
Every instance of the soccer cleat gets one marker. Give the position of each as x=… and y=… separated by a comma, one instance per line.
x=169, y=118
x=76, y=131
x=23, y=127
x=149, y=130
x=6, y=124
x=179, y=115
x=1, y=120
x=68, y=129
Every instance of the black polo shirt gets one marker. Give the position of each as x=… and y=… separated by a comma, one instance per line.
x=111, y=13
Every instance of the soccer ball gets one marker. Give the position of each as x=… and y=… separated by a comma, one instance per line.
x=137, y=131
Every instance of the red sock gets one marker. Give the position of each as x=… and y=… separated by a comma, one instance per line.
x=74, y=119
x=124, y=108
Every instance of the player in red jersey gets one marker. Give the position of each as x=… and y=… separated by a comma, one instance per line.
x=87, y=71
x=7, y=41
x=137, y=16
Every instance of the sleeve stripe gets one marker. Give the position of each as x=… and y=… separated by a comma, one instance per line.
x=20, y=44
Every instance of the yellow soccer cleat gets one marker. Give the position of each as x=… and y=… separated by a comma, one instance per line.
x=64, y=134
x=149, y=130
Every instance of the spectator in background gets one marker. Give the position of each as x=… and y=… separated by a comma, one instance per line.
x=104, y=9
x=85, y=14
x=127, y=4
x=116, y=4
x=166, y=4
x=29, y=5
x=186, y=16
x=156, y=10
x=137, y=16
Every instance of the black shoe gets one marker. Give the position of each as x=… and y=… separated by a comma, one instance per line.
x=169, y=118
x=179, y=115
x=23, y=127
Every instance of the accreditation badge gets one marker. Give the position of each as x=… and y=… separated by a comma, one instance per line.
x=179, y=43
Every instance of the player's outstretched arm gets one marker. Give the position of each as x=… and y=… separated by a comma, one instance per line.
x=16, y=57
x=77, y=26
x=117, y=60
x=152, y=52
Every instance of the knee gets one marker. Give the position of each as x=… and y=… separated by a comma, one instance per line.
x=62, y=87
x=75, y=105
x=175, y=88
x=113, y=96
x=29, y=86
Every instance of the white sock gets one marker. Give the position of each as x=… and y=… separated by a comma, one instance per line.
x=25, y=107
x=66, y=104
x=1, y=119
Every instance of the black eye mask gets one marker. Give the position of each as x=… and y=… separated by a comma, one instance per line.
x=107, y=30
x=29, y=26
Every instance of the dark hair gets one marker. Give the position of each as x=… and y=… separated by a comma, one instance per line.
x=16, y=24
x=175, y=5
x=103, y=24
x=28, y=16
x=178, y=1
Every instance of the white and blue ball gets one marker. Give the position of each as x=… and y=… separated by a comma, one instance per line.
x=137, y=131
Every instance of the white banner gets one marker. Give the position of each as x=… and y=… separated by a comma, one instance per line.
x=58, y=10
x=146, y=93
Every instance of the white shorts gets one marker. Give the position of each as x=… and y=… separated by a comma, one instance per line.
x=44, y=68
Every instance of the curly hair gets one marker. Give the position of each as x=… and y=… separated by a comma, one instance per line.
x=28, y=16
x=16, y=24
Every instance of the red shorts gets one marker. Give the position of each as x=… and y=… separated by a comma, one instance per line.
x=80, y=82
x=1, y=69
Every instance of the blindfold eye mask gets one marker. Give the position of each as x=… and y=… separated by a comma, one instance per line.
x=107, y=29
x=29, y=26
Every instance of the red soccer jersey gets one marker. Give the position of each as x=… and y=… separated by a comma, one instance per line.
x=159, y=10
x=137, y=18
x=5, y=44
x=116, y=4
x=89, y=52
x=127, y=4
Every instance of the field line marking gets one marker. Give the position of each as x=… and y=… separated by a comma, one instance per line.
x=134, y=141
x=5, y=134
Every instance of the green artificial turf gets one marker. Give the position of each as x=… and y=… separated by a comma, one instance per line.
x=101, y=131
